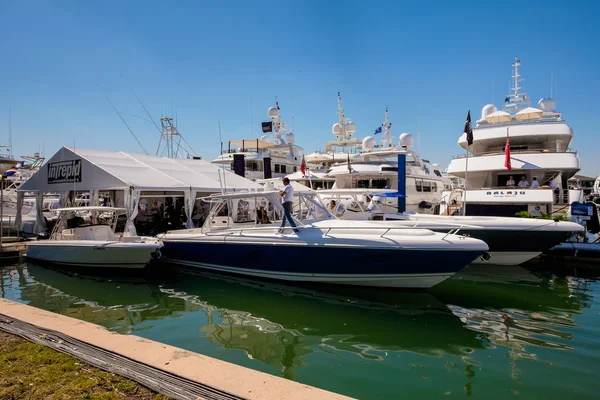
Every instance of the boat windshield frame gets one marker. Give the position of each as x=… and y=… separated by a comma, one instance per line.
x=249, y=208
x=95, y=214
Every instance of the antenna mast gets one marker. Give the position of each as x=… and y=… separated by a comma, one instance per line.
x=386, y=138
x=515, y=102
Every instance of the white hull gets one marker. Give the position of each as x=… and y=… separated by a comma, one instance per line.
x=508, y=257
x=93, y=254
x=408, y=281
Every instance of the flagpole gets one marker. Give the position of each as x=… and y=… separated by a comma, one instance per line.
x=464, y=205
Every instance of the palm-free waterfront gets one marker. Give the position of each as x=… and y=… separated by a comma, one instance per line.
x=488, y=332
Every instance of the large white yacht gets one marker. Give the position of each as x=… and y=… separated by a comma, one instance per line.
x=538, y=141
x=271, y=156
x=368, y=165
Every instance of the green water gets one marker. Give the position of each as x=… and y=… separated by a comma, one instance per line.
x=489, y=332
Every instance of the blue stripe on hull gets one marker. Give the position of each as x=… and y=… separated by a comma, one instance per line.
x=319, y=259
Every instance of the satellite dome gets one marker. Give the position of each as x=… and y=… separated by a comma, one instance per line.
x=406, y=140
x=265, y=138
x=289, y=138
x=350, y=127
x=336, y=129
x=547, y=104
x=273, y=112
x=487, y=110
x=369, y=143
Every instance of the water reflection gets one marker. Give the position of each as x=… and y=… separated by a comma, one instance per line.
x=480, y=309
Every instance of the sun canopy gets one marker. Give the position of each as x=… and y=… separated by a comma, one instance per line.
x=529, y=113
x=252, y=143
x=87, y=169
x=498, y=116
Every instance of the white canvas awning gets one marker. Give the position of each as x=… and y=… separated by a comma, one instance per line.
x=252, y=144
x=87, y=169
x=498, y=116
x=529, y=113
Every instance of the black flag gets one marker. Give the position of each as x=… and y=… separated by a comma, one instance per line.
x=267, y=127
x=468, y=129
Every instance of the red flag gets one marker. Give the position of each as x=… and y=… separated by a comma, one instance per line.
x=507, y=152
x=303, y=166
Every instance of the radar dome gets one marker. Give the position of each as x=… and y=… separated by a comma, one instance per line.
x=265, y=138
x=487, y=110
x=547, y=104
x=350, y=127
x=336, y=129
x=273, y=112
x=406, y=140
x=369, y=143
x=289, y=138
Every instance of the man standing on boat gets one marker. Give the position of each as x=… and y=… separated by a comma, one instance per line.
x=287, y=199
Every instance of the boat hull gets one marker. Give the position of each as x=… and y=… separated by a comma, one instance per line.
x=514, y=247
x=93, y=254
x=391, y=267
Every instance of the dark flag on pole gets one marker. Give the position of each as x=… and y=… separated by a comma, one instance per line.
x=267, y=127
x=468, y=129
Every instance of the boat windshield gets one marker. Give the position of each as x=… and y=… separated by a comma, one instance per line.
x=71, y=219
x=261, y=208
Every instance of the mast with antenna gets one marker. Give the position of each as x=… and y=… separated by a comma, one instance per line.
x=386, y=137
x=516, y=101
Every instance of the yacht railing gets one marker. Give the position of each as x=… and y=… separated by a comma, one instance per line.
x=501, y=152
x=547, y=120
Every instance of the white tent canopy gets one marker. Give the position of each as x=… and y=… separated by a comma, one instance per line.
x=116, y=170
x=94, y=170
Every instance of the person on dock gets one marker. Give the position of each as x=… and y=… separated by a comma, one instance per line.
x=287, y=199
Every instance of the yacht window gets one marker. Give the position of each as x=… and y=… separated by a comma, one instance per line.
x=295, y=169
x=389, y=169
x=373, y=183
x=433, y=186
x=283, y=169
x=426, y=186
x=419, y=185
x=254, y=166
x=277, y=168
x=435, y=171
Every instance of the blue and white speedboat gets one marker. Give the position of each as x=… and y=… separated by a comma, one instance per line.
x=240, y=236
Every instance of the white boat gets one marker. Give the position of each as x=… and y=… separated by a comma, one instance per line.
x=511, y=241
x=271, y=156
x=85, y=237
x=538, y=140
x=368, y=165
x=240, y=237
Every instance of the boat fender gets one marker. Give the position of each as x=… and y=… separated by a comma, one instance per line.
x=425, y=204
x=156, y=254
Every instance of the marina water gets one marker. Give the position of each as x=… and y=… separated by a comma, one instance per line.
x=488, y=332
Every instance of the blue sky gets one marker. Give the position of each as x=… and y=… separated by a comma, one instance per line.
x=226, y=61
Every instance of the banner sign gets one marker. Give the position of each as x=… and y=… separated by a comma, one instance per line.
x=64, y=172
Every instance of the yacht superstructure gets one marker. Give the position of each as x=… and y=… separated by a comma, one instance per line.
x=271, y=156
x=538, y=140
x=368, y=165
